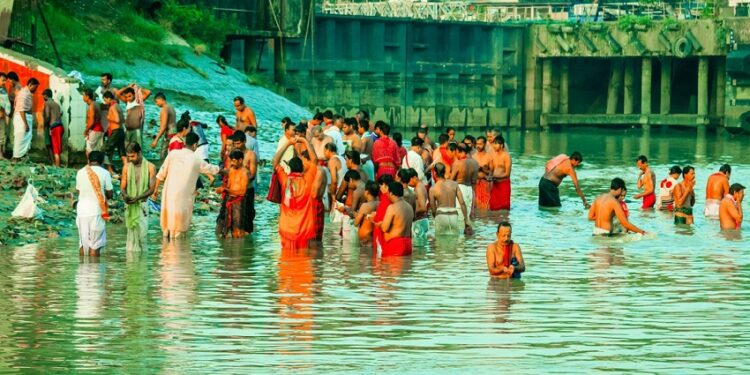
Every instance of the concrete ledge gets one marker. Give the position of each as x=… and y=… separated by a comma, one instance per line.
x=634, y=119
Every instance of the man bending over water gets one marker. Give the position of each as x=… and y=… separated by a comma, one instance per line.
x=730, y=211
x=606, y=207
x=504, y=258
x=554, y=172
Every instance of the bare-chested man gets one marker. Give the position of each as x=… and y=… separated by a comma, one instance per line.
x=396, y=224
x=465, y=172
x=504, y=258
x=554, y=172
x=717, y=188
x=319, y=142
x=501, y=165
x=250, y=162
x=245, y=115
x=116, y=133
x=403, y=176
x=684, y=197
x=366, y=148
x=354, y=188
x=730, y=211
x=422, y=199
x=606, y=207
x=350, y=137
x=94, y=132
x=443, y=197
x=484, y=175
x=167, y=123
x=372, y=191
x=646, y=181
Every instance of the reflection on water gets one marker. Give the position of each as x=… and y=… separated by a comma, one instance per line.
x=662, y=304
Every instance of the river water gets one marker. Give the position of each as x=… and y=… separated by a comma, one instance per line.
x=674, y=303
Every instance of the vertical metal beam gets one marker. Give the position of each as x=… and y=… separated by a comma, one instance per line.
x=628, y=99
x=665, y=97
x=646, y=86
x=564, y=85
x=702, y=86
x=615, y=86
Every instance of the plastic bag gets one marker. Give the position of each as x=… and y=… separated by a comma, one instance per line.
x=27, y=207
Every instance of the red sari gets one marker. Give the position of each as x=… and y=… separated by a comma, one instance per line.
x=385, y=150
x=377, y=233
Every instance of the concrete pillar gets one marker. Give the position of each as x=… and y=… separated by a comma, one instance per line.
x=628, y=96
x=703, y=86
x=615, y=85
x=279, y=61
x=646, y=86
x=720, y=69
x=564, y=85
x=547, y=86
x=665, y=100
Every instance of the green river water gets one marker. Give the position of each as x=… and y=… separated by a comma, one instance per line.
x=674, y=303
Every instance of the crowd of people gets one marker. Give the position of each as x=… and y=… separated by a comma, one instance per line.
x=350, y=174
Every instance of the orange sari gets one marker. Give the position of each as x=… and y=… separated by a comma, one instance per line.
x=297, y=219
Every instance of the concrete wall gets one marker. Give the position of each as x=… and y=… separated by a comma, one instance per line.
x=64, y=91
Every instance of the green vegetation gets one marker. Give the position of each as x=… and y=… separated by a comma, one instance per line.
x=196, y=25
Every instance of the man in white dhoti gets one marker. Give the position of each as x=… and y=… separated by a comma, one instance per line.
x=94, y=185
x=23, y=119
x=179, y=173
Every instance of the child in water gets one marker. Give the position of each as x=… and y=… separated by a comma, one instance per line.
x=233, y=190
x=504, y=258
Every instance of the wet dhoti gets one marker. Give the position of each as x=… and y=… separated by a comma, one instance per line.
x=549, y=194
x=500, y=196
x=447, y=221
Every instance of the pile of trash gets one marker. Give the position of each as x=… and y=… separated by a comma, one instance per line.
x=36, y=202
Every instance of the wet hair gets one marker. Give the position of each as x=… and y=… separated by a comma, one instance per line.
x=687, y=170
x=675, y=170
x=107, y=95
x=398, y=138
x=736, y=188
x=128, y=90
x=47, y=93
x=503, y=224
x=385, y=179
x=328, y=114
x=642, y=159
x=331, y=147
x=239, y=99
x=251, y=129
x=499, y=139
x=404, y=175
x=576, y=156
x=616, y=184
x=239, y=136
x=354, y=156
x=160, y=95
x=96, y=156
x=107, y=75
x=221, y=120
x=416, y=141
x=133, y=148
x=483, y=138
x=286, y=120
x=295, y=165
x=318, y=116
x=372, y=187
x=442, y=138
x=237, y=155
x=439, y=170
x=726, y=169
x=385, y=128
x=352, y=175
x=13, y=76
x=396, y=189
x=88, y=93
x=32, y=82
x=191, y=139
x=452, y=146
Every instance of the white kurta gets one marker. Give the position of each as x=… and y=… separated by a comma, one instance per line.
x=180, y=173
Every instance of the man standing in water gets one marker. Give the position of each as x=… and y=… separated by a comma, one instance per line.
x=646, y=182
x=167, y=123
x=730, y=212
x=555, y=171
x=245, y=116
x=396, y=224
x=606, y=207
x=179, y=173
x=665, y=201
x=250, y=162
x=717, y=188
x=23, y=118
x=138, y=180
x=94, y=185
x=385, y=152
x=366, y=149
x=413, y=159
x=484, y=174
x=443, y=197
x=501, y=168
x=464, y=172
x=372, y=191
x=504, y=258
x=684, y=197
x=420, y=226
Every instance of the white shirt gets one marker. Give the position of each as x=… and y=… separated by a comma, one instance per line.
x=288, y=154
x=338, y=139
x=88, y=203
x=414, y=160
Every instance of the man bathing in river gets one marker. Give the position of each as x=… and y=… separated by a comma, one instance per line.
x=646, y=180
x=730, y=211
x=665, y=201
x=464, y=172
x=94, y=185
x=372, y=191
x=717, y=188
x=606, y=207
x=684, y=197
x=504, y=258
x=443, y=197
x=420, y=226
x=501, y=167
x=484, y=175
x=555, y=171
x=137, y=184
x=396, y=225
x=235, y=191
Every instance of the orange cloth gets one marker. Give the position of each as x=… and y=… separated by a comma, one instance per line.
x=94, y=179
x=482, y=194
x=297, y=219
